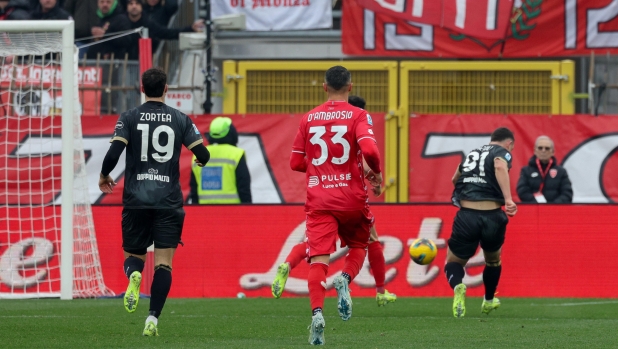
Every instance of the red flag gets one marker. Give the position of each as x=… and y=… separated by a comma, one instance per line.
x=478, y=18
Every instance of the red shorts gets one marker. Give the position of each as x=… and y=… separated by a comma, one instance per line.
x=323, y=227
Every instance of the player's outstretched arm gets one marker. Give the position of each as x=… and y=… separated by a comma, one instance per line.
x=202, y=155
x=502, y=176
x=106, y=182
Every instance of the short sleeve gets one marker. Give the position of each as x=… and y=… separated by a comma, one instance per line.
x=122, y=130
x=191, y=135
x=364, y=127
x=504, y=154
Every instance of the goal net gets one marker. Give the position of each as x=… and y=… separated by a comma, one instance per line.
x=48, y=245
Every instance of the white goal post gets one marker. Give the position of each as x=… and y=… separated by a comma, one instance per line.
x=37, y=255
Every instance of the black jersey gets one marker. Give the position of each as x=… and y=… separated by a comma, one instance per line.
x=478, y=176
x=154, y=134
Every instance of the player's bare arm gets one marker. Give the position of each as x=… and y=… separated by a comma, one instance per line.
x=377, y=190
x=502, y=175
x=371, y=156
x=106, y=182
x=456, y=176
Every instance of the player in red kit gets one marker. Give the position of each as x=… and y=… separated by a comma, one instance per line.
x=375, y=252
x=330, y=145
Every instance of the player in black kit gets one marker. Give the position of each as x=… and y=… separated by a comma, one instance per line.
x=154, y=134
x=481, y=188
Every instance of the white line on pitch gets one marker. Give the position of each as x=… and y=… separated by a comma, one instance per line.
x=572, y=304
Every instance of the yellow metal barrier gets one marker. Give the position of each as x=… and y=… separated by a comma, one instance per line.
x=486, y=87
x=230, y=77
x=426, y=87
x=479, y=88
x=567, y=87
x=296, y=87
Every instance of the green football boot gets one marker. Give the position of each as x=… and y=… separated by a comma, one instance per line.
x=459, y=301
x=385, y=298
x=131, y=296
x=283, y=271
x=150, y=330
x=488, y=306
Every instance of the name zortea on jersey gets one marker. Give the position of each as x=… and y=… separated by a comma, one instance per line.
x=335, y=115
x=155, y=117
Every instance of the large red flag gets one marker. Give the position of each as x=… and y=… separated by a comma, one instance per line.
x=477, y=18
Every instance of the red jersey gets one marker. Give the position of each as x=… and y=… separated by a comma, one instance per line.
x=329, y=147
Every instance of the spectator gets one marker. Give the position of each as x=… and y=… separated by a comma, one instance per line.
x=35, y=3
x=160, y=11
x=543, y=180
x=85, y=14
x=156, y=31
x=49, y=9
x=225, y=179
x=112, y=20
x=14, y=9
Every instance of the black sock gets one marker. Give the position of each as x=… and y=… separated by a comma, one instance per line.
x=161, y=284
x=317, y=310
x=454, y=273
x=132, y=264
x=491, y=276
x=347, y=277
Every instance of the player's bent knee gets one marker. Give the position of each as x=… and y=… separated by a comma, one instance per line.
x=163, y=266
x=493, y=264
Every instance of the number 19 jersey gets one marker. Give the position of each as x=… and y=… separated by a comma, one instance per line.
x=328, y=136
x=477, y=181
x=154, y=134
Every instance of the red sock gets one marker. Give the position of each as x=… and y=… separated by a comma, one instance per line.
x=317, y=292
x=378, y=266
x=354, y=261
x=298, y=253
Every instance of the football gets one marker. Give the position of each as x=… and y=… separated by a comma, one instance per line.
x=423, y=251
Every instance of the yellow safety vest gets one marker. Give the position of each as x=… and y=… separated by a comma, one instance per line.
x=216, y=182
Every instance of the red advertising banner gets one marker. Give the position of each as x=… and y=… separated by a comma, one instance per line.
x=584, y=145
x=25, y=87
x=267, y=140
x=477, y=18
x=235, y=250
x=538, y=28
x=227, y=251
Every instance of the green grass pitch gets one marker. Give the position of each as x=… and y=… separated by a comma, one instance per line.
x=269, y=323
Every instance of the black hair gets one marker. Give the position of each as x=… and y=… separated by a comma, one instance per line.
x=154, y=81
x=502, y=134
x=357, y=101
x=337, y=77
x=230, y=138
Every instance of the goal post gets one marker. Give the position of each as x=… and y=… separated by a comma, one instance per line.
x=51, y=259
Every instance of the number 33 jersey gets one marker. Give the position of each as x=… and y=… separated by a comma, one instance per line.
x=154, y=134
x=328, y=136
x=478, y=175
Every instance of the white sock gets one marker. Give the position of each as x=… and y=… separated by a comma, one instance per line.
x=153, y=319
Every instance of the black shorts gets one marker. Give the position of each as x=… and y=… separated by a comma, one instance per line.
x=473, y=226
x=142, y=227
